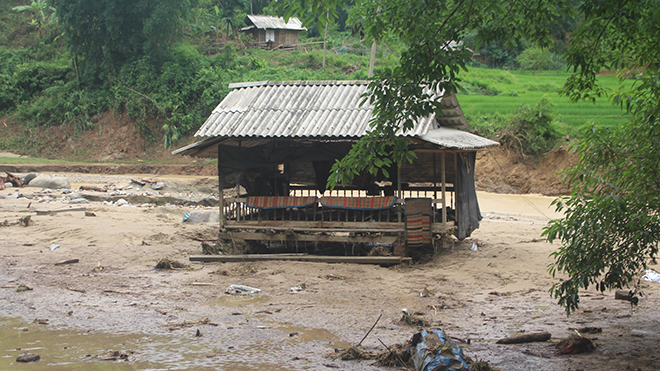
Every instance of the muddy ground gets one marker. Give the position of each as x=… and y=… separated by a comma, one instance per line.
x=113, y=298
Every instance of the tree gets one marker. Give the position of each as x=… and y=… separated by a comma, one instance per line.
x=106, y=34
x=610, y=231
x=44, y=15
x=610, y=226
x=432, y=32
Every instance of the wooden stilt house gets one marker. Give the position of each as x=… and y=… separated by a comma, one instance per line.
x=276, y=141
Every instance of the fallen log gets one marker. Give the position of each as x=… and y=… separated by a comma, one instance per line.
x=384, y=260
x=69, y=261
x=526, y=338
x=48, y=212
x=88, y=188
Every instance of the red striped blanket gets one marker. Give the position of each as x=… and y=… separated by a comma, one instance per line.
x=279, y=202
x=359, y=203
x=418, y=221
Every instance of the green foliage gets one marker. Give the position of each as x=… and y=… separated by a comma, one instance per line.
x=612, y=222
x=539, y=59
x=106, y=34
x=611, y=225
x=531, y=131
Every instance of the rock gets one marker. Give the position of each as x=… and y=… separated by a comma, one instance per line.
x=28, y=357
x=47, y=181
x=79, y=201
x=158, y=186
x=626, y=295
x=121, y=202
x=28, y=178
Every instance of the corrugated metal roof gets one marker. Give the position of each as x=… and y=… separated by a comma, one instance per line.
x=454, y=138
x=306, y=109
x=273, y=23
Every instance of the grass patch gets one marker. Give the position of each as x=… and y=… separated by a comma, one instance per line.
x=497, y=92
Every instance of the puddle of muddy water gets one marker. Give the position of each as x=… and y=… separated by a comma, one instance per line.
x=308, y=334
x=72, y=350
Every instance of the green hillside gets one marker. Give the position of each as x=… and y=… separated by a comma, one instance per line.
x=47, y=82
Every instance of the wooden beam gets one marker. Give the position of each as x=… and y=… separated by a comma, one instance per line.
x=313, y=230
x=282, y=237
x=267, y=224
x=385, y=260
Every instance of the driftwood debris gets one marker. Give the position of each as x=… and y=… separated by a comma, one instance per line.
x=575, y=344
x=69, y=261
x=91, y=188
x=199, y=239
x=13, y=179
x=626, y=295
x=48, y=212
x=526, y=338
x=383, y=260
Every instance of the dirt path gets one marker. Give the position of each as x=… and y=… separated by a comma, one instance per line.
x=114, y=299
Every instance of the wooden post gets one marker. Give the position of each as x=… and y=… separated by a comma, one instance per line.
x=435, y=186
x=221, y=195
x=325, y=34
x=372, y=59
x=444, y=189
x=398, y=186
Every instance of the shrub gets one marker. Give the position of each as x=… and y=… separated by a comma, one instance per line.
x=531, y=131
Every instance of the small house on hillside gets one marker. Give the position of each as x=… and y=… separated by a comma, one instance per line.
x=276, y=141
x=272, y=32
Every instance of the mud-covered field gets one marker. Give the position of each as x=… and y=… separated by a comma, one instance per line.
x=114, y=300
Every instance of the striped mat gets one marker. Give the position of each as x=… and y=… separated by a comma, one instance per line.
x=279, y=202
x=418, y=221
x=359, y=203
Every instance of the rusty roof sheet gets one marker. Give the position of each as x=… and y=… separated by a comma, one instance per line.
x=294, y=109
x=266, y=22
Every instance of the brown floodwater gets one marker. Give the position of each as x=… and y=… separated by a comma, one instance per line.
x=72, y=349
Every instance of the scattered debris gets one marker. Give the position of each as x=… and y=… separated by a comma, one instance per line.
x=651, y=275
x=91, y=188
x=198, y=333
x=25, y=221
x=221, y=272
x=242, y=290
x=169, y=264
x=526, y=338
x=426, y=293
x=28, y=357
x=184, y=324
x=22, y=288
x=208, y=249
x=54, y=246
x=89, y=213
x=482, y=366
x=158, y=186
x=590, y=330
x=13, y=179
x=354, y=353
x=434, y=346
x=575, y=344
x=397, y=355
x=114, y=356
x=50, y=212
x=413, y=320
x=69, y=261
x=626, y=295
x=299, y=288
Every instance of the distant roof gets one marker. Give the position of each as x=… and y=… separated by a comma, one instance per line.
x=266, y=22
x=254, y=111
